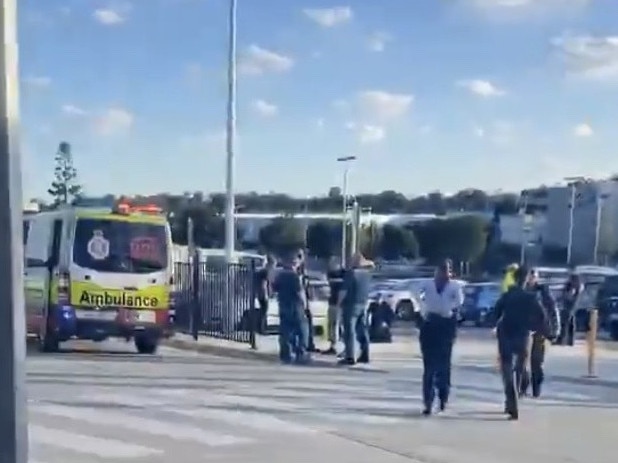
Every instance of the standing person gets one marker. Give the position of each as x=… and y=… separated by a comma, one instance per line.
x=335, y=282
x=304, y=278
x=293, y=335
x=570, y=295
x=353, y=299
x=264, y=279
x=443, y=297
x=537, y=344
x=518, y=313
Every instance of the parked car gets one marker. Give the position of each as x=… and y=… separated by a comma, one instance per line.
x=398, y=295
x=479, y=302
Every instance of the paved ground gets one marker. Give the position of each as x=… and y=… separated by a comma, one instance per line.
x=188, y=407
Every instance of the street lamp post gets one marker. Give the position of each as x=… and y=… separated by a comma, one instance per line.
x=230, y=207
x=346, y=160
x=13, y=415
x=573, y=182
x=600, y=198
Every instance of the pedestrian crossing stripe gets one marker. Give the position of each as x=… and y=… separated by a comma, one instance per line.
x=79, y=443
x=201, y=417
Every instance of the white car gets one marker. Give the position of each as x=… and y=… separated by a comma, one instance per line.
x=318, y=303
x=399, y=295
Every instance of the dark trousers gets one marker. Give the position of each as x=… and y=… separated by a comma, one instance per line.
x=567, y=328
x=354, y=322
x=535, y=376
x=513, y=354
x=309, y=318
x=262, y=323
x=293, y=334
x=437, y=336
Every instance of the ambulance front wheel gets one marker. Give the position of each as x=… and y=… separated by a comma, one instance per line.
x=146, y=344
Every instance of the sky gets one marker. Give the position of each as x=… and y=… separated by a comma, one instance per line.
x=427, y=94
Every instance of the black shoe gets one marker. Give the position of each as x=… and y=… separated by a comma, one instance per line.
x=442, y=405
x=426, y=412
x=363, y=359
x=346, y=362
x=513, y=416
x=536, y=392
x=330, y=351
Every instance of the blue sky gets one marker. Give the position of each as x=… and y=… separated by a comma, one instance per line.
x=429, y=94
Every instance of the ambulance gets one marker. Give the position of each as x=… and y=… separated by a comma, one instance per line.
x=93, y=274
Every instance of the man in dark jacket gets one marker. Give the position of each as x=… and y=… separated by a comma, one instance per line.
x=518, y=312
x=538, y=342
x=570, y=295
x=293, y=329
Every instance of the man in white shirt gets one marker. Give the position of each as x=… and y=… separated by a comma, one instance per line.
x=443, y=297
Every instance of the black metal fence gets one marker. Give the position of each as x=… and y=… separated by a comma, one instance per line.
x=216, y=300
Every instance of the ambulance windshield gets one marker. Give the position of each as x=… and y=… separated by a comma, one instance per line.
x=121, y=247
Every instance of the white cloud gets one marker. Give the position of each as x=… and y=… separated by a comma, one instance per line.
x=366, y=133
x=264, y=108
x=371, y=134
x=114, y=121
x=38, y=81
x=110, y=16
x=257, y=61
x=378, y=40
x=520, y=5
x=583, y=131
x=482, y=88
x=589, y=57
x=329, y=17
x=382, y=105
x=498, y=132
x=73, y=110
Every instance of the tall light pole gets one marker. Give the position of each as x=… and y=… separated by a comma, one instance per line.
x=346, y=160
x=230, y=207
x=573, y=183
x=13, y=414
x=600, y=199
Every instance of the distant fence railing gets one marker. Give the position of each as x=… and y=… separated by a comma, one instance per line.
x=215, y=300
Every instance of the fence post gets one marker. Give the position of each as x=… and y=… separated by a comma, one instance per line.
x=194, y=263
x=253, y=315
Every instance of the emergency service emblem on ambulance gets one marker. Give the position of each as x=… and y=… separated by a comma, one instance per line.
x=98, y=246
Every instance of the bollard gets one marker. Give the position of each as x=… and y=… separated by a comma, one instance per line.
x=591, y=341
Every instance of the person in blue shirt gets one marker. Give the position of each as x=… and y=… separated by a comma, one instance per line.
x=293, y=327
x=353, y=299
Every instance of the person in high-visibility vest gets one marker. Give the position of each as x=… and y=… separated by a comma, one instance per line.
x=509, y=278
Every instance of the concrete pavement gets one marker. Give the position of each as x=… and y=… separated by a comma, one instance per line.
x=190, y=407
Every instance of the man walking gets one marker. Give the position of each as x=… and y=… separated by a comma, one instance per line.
x=353, y=299
x=538, y=342
x=570, y=295
x=443, y=297
x=518, y=313
x=335, y=282
x=293, y=329
x=264, y=277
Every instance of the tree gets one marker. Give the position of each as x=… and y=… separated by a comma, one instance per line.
x=323, y=238
x=64, y=189
x=462, y=239
x=396, y=242
x=283, y=235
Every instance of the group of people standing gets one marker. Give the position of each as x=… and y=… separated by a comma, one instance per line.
x=346, y=317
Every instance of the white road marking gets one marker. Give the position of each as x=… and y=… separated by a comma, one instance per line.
x=136, y=424
x=102, y=448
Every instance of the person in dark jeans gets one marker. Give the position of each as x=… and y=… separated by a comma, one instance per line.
x=302, y=272
x=570, y=295
x=335, y=282
x=263, y=292
x=536, y=375
x=353, y=300
x=518, y=312
x=293, y=330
